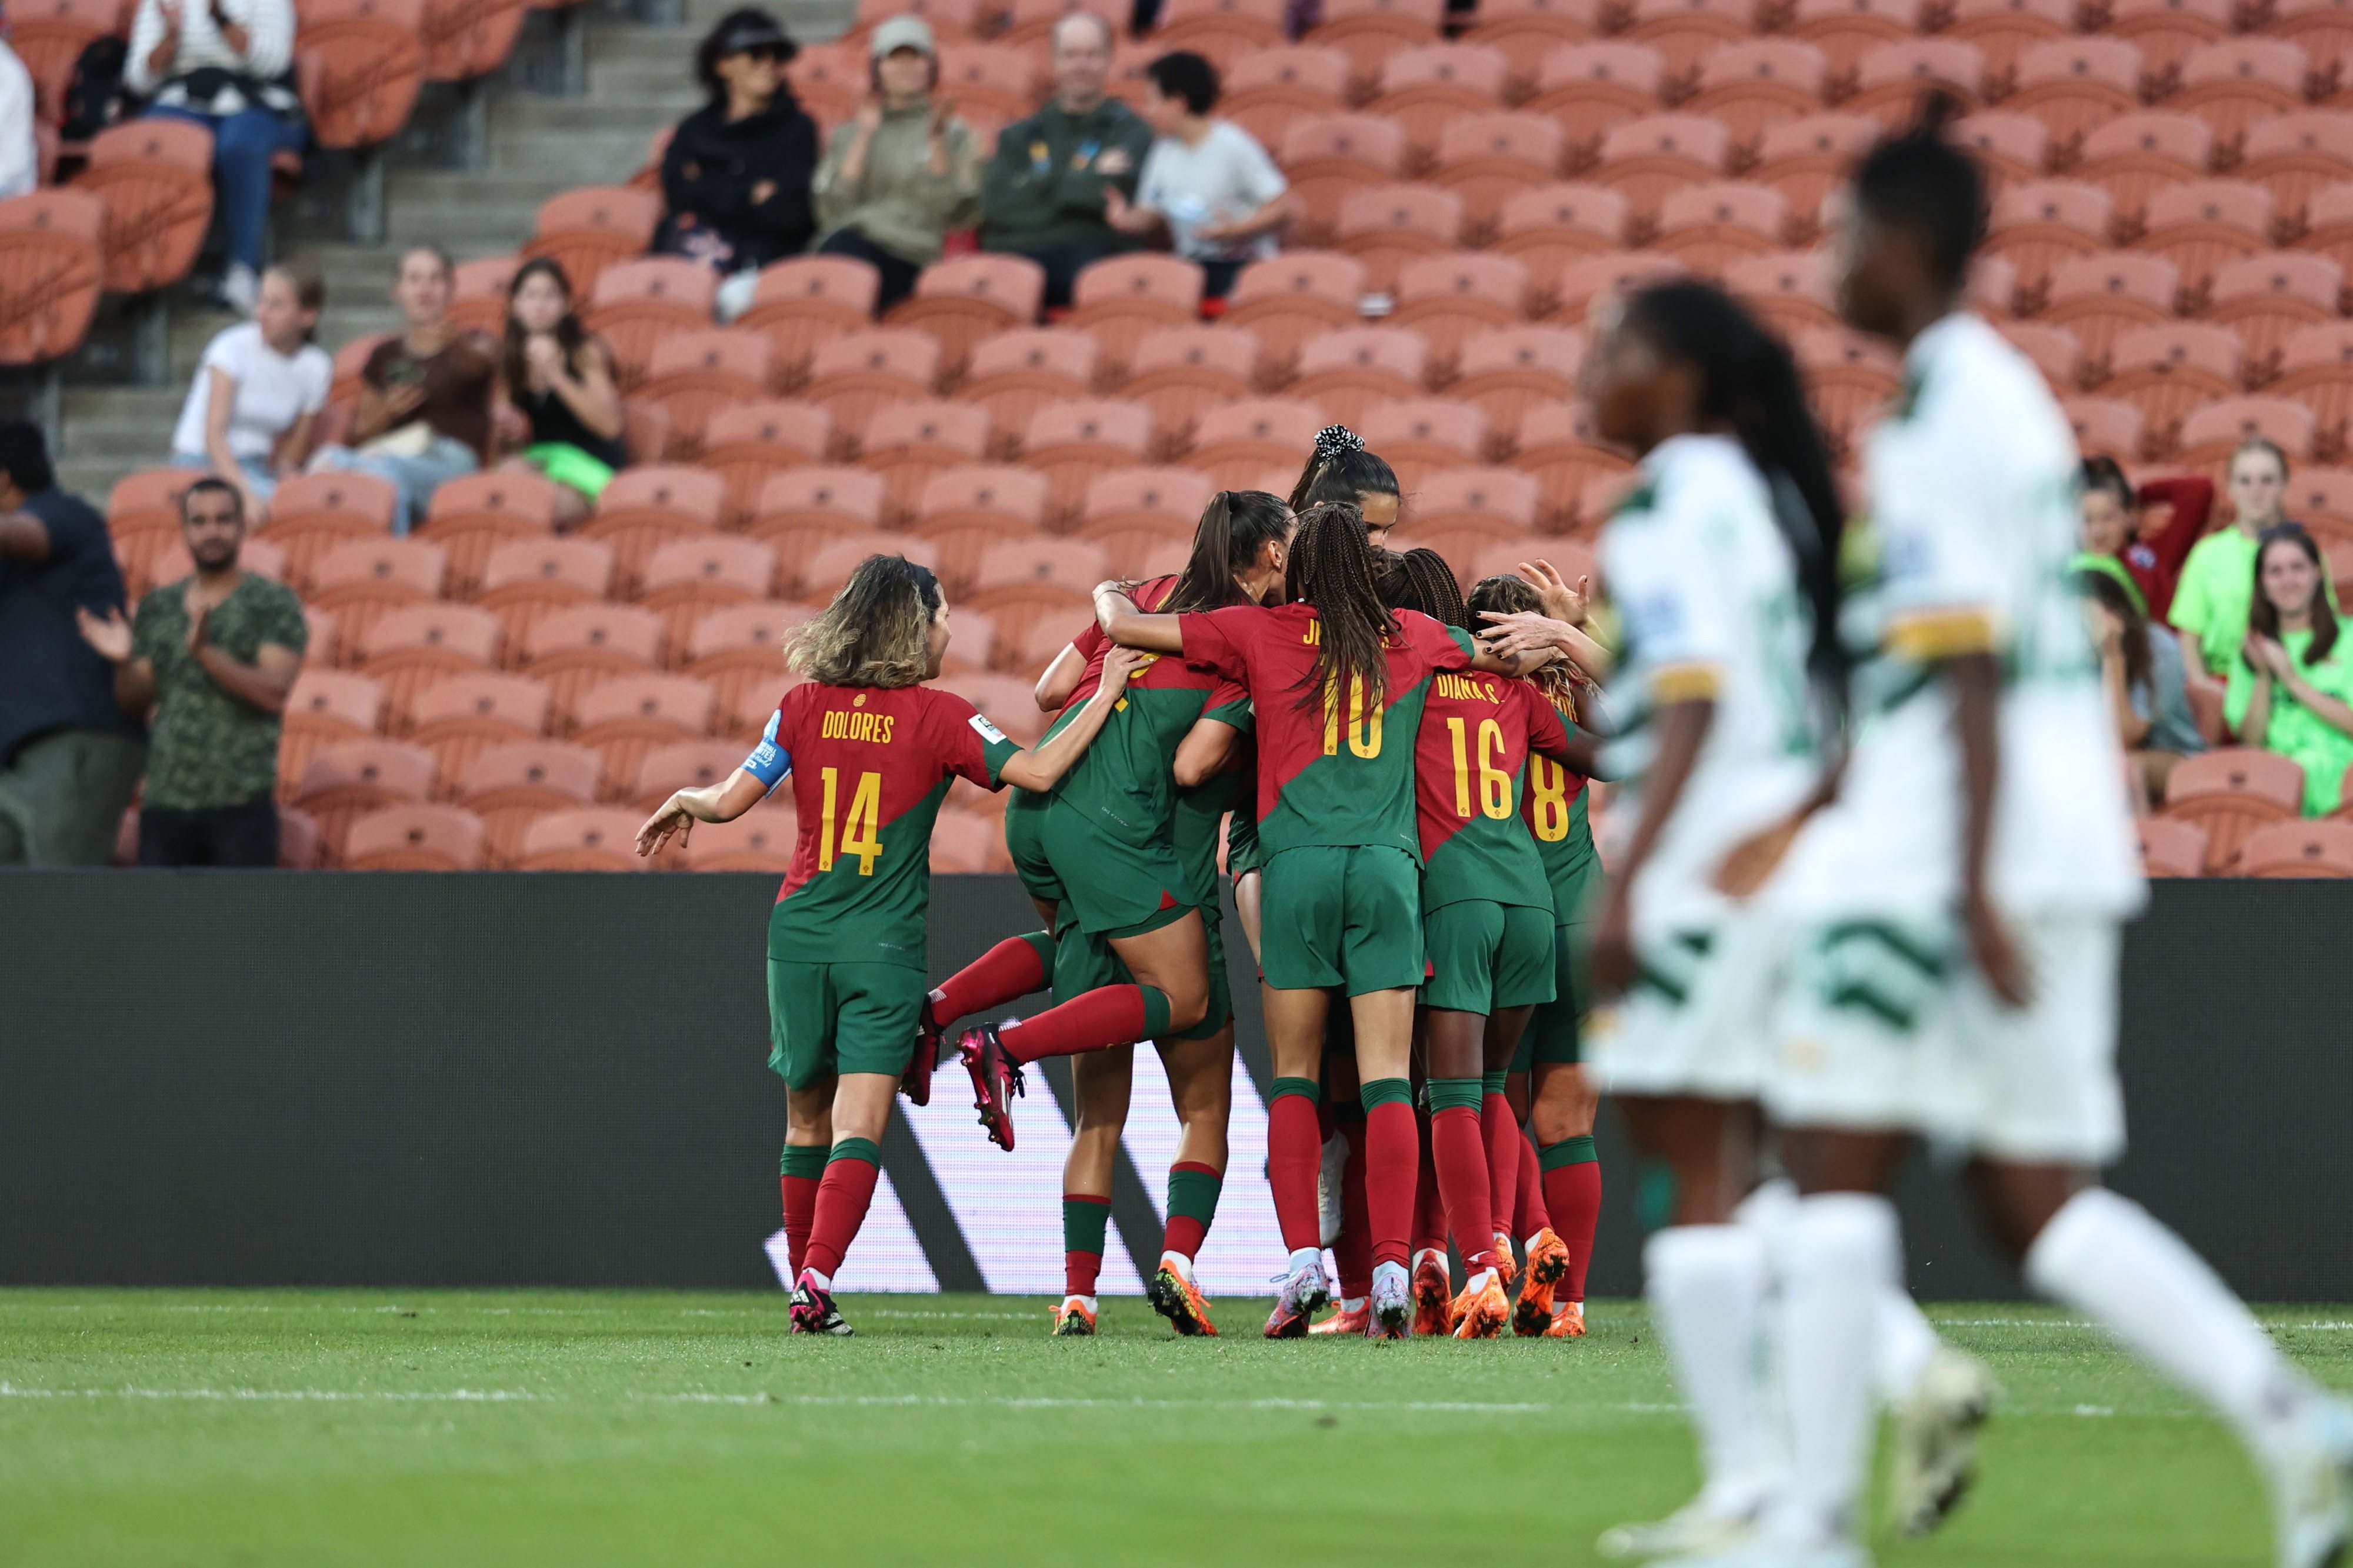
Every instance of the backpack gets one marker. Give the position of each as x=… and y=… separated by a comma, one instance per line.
x=94, y=93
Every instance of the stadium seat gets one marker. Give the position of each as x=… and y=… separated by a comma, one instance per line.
x=2054, y=351
x=1550, y=226
x=1181, y=373
x=1890, y=79
x=1423, y=89
x=2321, y=27
x=1388, y=225
x=857, y=375
x=962, y=511
x=2230, y=792
x=1221, y=29
x=1707, y=228
x=1006, y=700
x=1237, y=444
x=2037, y=226
x=1505, y=372
x=414, y=838
x=312, y=514
x=326, y=708
x=1686, y=32
x=1462, y=512
x=589, y=229
x=2096, y=297
x=681, y=580
x=737, y=648
x=959, y=302
x=801, y=510
x=623, y=719
x=2294, y=154
x=1558, y=449
x=1118, y=300
x=1267, y=90
x=410, y=648
x=345, y=780
x=2135, y=156
x=1789, y=290
x=1422, y=437
x=2170, y=849
x=580, y=840
x=461, y=716
x=1589, y=90
x=1645, y=159
x=524, y=580
x=648, y=507
x=144, y=513
x=1844, y=30
x=2315, y=368
x=2327, y=222
x=636, y=304
x=2168, y=370
x=2264, y=298
x=1368, y=31
x=573, y=647
x=746, y=443
x=2073, y=84
x=693, y=375
x=961, y=842
x=507, y=787
x=1131, y=511
x=1757, y=83
x=761, y=841
x=50, y=36
x=2106, y=425
x=2014, y=148
x=1015, y=373
x=2217, y=429
x=360, y=65
x=1329, y=158
x=154, y=176
x=2233, y=83
x=1445, y=299
x=2322, y=500
x=683, y=765
x=1581, y=283
x=1525, y=30
x=479, y=290
x=828, y=568
x=1487, y=158
x=907, y=443
x=2203, y=225
x=464, y=40
x=1346, y=372
x=804, y=301
x=994, y=82
x=470, y=516
x=1072, y=442
x=1018, y=584
x=1291, y=298
x=357, y=581
x=1805, y=158
x=2316, y=848
x=1853, y=380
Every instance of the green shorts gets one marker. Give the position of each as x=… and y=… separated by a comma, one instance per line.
x=1485, y=957
x=1110, y=887
x=568, y=465
x=1244, y=853
x=1084, y=962
x=1341, y=916
x=1552, y=1033
x=828, y=1018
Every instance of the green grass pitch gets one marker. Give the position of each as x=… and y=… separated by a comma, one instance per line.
x=325, y=1428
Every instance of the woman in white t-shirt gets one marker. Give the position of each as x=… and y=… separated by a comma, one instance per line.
x=1206, y=183
x=252, y=413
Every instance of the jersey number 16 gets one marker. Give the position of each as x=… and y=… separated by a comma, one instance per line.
x=858, y=829
x=1495, y=784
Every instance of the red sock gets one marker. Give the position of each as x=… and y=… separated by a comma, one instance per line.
x=841, y=1200
x=1429, y=1214
x=1109, y=1015
x=1013, y=968
x=1530, y=1213
x=1461, y=1155
x=1392, y=1164
x=1294, y=1152
x=1500, y=1130
x=1352, y=1252
x=800, y=1213
x=1573, y=1193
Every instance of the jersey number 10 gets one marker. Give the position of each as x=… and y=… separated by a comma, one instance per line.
x=1495, y=784
x=1364, y=729
x=858, y=829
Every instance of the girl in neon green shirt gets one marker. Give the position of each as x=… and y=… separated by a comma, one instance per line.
x=2291, y=687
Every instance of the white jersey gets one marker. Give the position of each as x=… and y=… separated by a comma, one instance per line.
x=1704, y=585
x=1973, y=503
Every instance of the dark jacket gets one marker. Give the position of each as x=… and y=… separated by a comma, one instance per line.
x=1045, y=184
x=708, y=174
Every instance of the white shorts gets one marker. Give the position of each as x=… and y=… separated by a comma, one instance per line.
x=1696, y=1020
x=1888, y=1025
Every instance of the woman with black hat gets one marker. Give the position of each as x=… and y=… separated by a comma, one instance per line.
x=736, y=176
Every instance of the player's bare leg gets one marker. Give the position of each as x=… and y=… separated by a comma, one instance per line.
x=861, y=1109
x=1201, y=1085
x=1563, y=1103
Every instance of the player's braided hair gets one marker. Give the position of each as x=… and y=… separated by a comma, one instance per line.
x=1237, y=525
x=877, y=631
x=1507, y=595
x=1421, y=579
x=1332, y=569
x=1750, y=383
x=1919, y=181
x=1339, y=468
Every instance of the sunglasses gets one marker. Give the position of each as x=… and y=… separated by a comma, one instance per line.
x=775, y=54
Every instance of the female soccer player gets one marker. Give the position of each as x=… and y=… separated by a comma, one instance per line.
x=1340, y=469
x=872, y=751
x=1123, y=865
x=1552, y=1186
x=1337, y=683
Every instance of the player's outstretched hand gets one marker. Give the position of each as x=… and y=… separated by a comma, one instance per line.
x=1752, y=860
x=1561, y=601
x=674, y=817
x=1999, y=959
x=1523, y=631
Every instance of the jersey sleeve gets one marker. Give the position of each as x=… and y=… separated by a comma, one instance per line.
x=970, y=746
x=1446, y=647
x=1679, y=646
x=1091, y=642
x=1547, y=735
x=1217, y=640
x=1229, y=703
x=1940, y=565
x=770, y=761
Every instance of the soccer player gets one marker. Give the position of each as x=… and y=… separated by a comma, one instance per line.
x=1115, y=855
x=1733, y=515
x=872, y=751
x=1339, y=468
x=1338, y=684
x=1552, y=1185
x=1964, y=895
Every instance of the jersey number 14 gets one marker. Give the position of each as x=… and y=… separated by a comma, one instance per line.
x=858, y=829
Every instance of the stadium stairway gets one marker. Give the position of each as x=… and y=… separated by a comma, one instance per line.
x=640, y=80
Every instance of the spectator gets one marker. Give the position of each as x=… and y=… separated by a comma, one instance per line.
x=905, y=172
x=2291, y=686
x=1207, y=185
x=560, y=380
x=1043, y=194
x=69, y=756
x=216, y=654
x=425, y=394
x=2140, y=665
x=20, y=149
x=2216, y=589
x=2146, y=533
x=736, y=176
x=220, y=63
x=254, y=406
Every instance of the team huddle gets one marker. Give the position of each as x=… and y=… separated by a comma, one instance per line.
x=1871, y=855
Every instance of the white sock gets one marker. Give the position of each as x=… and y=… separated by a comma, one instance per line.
x=1305, y=1257
x=1183, y=1265
x=1086, y=1302
x=822, y=1281
x=1477, y=1282
x=1428, y=1252
x=1351, y=1304
x=1903, y=1343
x=1838, y=1260
x=2106, y=1257
x=1705, y=1284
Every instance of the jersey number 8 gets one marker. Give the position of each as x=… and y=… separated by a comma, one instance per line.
x=1548, y=788
x=858, y=830
x=1495, y=784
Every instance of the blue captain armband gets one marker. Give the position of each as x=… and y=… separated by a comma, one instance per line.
x=769, y=762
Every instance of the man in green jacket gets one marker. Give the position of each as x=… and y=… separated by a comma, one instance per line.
x=1042, y=195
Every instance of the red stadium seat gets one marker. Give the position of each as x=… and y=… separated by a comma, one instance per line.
x=415, y=838
x=1329, y=158
x=526, y=579
x=1487, y=158
x=1844, y=30
x=1589, y=90
x=1015, y=373
x=341, y=783
x=1686, y=32
x=1073, y=443
x=826, y=570
x=1708, y=227
x=857, y=375
x=962, y=511
x=410, y=648
x=1346, y=372
x=2096, y=297
x=2203, y=225
x=572, y=648
x=1368, y=31
x=2217, y=429
x=1756, y=84
x=2233, y=84
x=2166, y=30
x=1558, y=448
x=801, y=510
x=1525, y=29
x=357, y=581
x=1237, y=444
x=2135, y=156
x=1890, y=79
x=2265, y=298
x=2170, y=849
x=473, y=515
x=1446, y=298
x=2039, y=226
x=1118, y=300
x=1463, y=512
x=2230, y=792
x=1549, y=227
x=805, y=300
x=738, y=649
x=2316, y=370
x=1182, y=373
x=2294, y=154
x=622, y=720
x=2321, y=848
x=326, y=708
x=2073, y=84
x=1506, y=371
x=1295, y=296
x=746, y=443
x=1130, y=511
x=1424, y=88
x=1805, y=159
x=680, y=581
x=508, y=787
x=1422, y=437
x=588, y=839
x=1645, y=159
x=2169, y=369
x=964, y=300
x=459, y=718
x=1269, y=91
x=1790, y=288
x=652, y=505
x=907, y=443
x=593, y=227
x=1389, y=225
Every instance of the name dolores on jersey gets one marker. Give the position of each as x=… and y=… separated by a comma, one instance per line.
x=838, y=725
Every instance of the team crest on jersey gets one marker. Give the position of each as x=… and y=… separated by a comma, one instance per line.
x=987, y=730
x=858, y=701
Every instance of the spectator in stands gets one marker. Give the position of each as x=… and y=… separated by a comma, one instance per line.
x=737, y=174
x=216, y=654
x=69, y=756
x=20, y=149
x=560, y=381
x=2211, y=600
x=1208, y=186
x=2140, y=665
x=2149, y=532
x=1043, y=195
x=2292, y=685
x=254, y=406
x=220, y=64
x=905, y=172
x=425, y=394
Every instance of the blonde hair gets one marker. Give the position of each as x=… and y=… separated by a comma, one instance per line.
x=877, y=631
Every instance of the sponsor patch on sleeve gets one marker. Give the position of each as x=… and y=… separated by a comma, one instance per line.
x=987, y=730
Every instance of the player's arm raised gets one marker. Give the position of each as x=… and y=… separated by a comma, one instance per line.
x=1131, y=627
x=726, y=801
x=1043, y=768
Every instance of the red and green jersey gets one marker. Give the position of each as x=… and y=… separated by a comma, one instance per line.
x=869, y=766
x=1554, y=805
x=1477, y=733
x=1124, y=785
x=1340, y=772
x=1202, y=810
